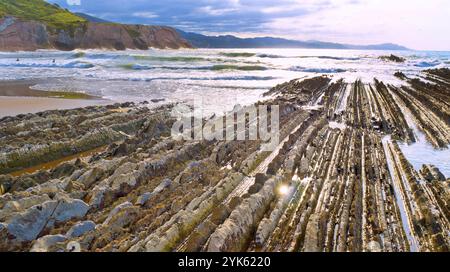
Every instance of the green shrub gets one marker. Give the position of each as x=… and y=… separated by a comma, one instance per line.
x=41, y=11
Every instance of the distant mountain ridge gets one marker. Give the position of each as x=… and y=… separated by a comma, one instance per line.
x=229, y=41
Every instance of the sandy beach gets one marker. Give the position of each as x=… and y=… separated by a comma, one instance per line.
x=11, y=106
x=16, y=97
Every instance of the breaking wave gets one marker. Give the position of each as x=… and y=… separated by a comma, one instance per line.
x=238, y=68
x=426, y=64
x=193, y=78
x=102, y=56
x=306, y=57
x=133, y=66
x=75, y=64
x=171, y=59
x=270, y=56
x=318, y=70
x=79, y=55
x=329, y=57
x=245, y=78
x=237, y=55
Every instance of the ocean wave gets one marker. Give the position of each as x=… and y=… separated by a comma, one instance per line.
x=75, y=64
x=426, y=64
x=237, y=54
x=101, y=56
x=307, y=57
x=133, y=66
x=182, y=59
x=227, y=86
x=330, y=57
x=338, y=58
x=270, y=56
x=78, y=55
x=245, y=78
x=171, y=59
x=238, y=67
x=139, y=67
x=227, y=78
x=80, y=64
x=318, y=70
x=193, y=78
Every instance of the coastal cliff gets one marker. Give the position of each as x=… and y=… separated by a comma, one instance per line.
x=17, y=34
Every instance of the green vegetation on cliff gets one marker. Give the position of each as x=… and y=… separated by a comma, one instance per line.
x=40, y=11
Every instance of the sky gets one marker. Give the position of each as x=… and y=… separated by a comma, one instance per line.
x=417, y=24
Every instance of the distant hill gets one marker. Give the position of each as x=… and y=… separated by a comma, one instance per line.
x=91, y=18
x=41, y=11
x=383, y=46
x=229, y=41
x=35, y=24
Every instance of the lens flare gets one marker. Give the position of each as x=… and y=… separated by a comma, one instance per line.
x=283, y=190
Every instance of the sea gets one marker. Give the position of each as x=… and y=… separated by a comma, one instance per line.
x=222, y=77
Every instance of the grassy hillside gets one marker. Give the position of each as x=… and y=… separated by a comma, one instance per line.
x=39, y=10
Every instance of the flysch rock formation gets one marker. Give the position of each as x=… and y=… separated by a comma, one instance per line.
x=111, y=178
x=24, y=35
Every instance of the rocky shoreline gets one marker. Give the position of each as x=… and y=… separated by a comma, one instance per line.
x=110, y=178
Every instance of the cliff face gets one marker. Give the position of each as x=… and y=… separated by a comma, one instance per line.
x=16, y=35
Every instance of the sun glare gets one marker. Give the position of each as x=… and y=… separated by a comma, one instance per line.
x=283, y=190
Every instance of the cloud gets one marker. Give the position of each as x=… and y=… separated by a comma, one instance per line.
x=146, y=14
x=216, y=12
x=74, y=2
x=413, y=23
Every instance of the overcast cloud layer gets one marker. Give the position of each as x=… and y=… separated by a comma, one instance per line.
x=416, y=24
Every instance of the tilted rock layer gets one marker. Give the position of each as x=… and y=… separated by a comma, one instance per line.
x=111, y=178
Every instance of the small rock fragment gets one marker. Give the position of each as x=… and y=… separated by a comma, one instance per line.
x=116, y=210
x=80, y=228
x=44, y=243
x=142, y=199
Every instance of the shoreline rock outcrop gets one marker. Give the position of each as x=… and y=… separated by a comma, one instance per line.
x=393, y=58
x=337, y=181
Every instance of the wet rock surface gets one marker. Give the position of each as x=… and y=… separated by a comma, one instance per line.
x=112, y=179
x=393, y=58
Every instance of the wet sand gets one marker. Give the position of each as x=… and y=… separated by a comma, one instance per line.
x=12, y=106
x=16, y=97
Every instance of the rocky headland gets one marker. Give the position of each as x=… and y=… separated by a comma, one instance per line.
x=21, y=35
x=28, y=25
x=111, y=178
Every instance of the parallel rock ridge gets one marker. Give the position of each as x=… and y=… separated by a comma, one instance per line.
x=338, y=180
x=18, y=34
